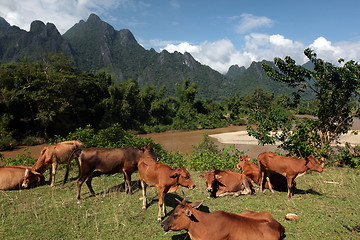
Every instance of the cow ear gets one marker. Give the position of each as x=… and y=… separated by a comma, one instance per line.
x=174, y=175
x=196, y=204
x=188, y=213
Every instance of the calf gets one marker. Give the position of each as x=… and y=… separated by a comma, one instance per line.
x=109, y=161
x=289, y=167
x=12, y=177
x=252, y=170
x=222, y=183
x=220, y=225
x=165, y=178
x=53, y=155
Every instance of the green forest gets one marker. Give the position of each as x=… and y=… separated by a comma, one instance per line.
x=51, y=99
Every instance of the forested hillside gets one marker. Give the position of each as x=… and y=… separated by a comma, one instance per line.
x=95, y=45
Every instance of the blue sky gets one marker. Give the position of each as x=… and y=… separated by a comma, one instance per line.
x=216, y=33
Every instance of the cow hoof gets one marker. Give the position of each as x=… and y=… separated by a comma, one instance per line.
x=159, y=219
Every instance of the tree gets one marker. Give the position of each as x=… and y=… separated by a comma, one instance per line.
x=334, y=86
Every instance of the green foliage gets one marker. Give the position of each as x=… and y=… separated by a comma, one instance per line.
x=335, y=88
x=7, y=143
x=207, y=156
x=21, y=160
x=344, y=158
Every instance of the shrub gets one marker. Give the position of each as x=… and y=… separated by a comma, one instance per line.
x=345, y=158
x=21, y=160
x=7, y=143
x=207, y=156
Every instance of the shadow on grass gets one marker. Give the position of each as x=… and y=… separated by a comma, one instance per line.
x=309, y=191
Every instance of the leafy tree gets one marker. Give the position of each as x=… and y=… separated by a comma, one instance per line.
x=334, y=86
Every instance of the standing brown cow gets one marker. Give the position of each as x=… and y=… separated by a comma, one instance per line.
x=58, y=153
x=165, y=178
x=109, y=161
x=223, y=183
x=290, y=167
x=219, y=225
x=12, y=177
x=252, y=171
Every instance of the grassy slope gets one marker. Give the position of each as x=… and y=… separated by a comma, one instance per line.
x=53, y=213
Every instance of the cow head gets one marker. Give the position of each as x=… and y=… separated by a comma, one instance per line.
x=31, y=177
x=181, y=216
x=313, y=164
x=242, y=159
x=183, y=178
x=213, y=181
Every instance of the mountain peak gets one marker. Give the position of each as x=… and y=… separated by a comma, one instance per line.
x=37, y=26
x=93, y=18
x=4, y=23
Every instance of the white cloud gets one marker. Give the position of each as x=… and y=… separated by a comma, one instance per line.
x=250, y=22
x=63, y=13
x=220, y=55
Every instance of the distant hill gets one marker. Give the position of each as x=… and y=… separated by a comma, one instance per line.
x=95, y=45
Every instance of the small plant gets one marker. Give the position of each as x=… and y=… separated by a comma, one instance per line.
x=21, y=160
x=207, y=156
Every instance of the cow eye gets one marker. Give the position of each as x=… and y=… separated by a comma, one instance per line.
x=186, y=177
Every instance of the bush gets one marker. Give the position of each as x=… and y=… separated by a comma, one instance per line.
x=207, y=156
x=7, y=143
x=20, y=160
x=345, y=158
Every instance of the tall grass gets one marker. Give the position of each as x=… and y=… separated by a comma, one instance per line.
x=327, y=203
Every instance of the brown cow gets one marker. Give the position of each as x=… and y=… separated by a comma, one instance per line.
x=12, y=177
x=252, y=171
x=223, y=183
x=109, y=161
x=220, y=225
x=58, y=153
x=165, y=178
x=289, y=167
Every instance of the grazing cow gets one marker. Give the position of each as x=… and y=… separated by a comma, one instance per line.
x=165, y=178
x=58, y=153
x=252, y=170
x=12, y=177
x=223, y=183
x=289, y=167
x=109, y=161
x=220, y=225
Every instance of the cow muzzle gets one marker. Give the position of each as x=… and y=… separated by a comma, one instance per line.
x=24, y=185
x=209, y=189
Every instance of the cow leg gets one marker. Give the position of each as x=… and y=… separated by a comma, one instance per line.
x=66, y=173
x=127, y=178
x=269, y=184
x=289, y=186
x=161, y=204
x=261, y=180
x=143, y=187
x=88, y=183
x=52, y=173
x=80, y=182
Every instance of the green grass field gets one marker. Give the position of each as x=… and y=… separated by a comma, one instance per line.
x=327, y=203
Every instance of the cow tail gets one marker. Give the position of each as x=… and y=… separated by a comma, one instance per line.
x=68, y=164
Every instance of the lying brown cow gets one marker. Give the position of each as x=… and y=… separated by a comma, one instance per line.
x=252, y=171
x=165, y=178
x=53, y=155
x=223, y=183
x=220, y=225
x=12, y=177
x=109, y=161
x=289, y=167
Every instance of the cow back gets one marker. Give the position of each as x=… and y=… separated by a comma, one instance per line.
x=110, y=160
